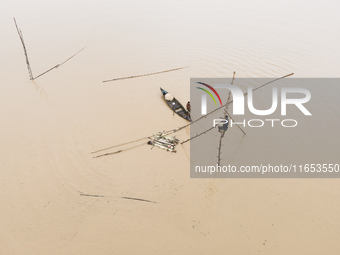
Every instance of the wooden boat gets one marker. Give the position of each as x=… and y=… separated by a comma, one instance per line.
x=175, y=105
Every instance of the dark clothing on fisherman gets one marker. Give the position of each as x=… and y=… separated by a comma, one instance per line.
x=224, y=126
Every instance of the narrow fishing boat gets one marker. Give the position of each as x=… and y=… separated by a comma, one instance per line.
x=175, y=105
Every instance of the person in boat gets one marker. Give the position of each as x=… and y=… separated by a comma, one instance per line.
x=188, y=106
x=188, y=111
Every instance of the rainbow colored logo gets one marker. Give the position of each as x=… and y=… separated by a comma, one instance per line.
x=209, y=93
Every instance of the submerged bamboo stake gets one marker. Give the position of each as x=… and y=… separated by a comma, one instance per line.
x=141, y=75
x=25, y=51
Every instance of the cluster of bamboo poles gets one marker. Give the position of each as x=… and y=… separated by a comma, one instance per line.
x=225, y=106
x=175, y=130
x=32, y=77
x=30, y=73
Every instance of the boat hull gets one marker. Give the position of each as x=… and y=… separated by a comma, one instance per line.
x=176, y=106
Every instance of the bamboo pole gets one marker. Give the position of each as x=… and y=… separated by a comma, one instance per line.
x=122, y=144
x=56, y=66
x=119, y=151
x=236, y=124
x=227, y=104
x=141, y=75
x=25, y=51
x=206, y=131
x=131, y=198
x=220, y=149
x=232, y=83
x=223, y=131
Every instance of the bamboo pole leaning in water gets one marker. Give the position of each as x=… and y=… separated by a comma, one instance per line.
x=232, y=83
x=58, y=65
x=119, y=151
x=204, y=132
x=131, y=198
x=25, y=51
x=227, y=104
x=141, y=75
x=122, y=144
x=27, y=61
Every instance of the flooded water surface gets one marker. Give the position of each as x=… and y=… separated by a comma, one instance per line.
x=57, y=199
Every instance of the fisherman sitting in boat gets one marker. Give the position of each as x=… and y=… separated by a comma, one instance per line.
x=188, y=106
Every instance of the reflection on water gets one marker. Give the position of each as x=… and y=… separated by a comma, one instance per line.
x=46, y=148
x=41, y=91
